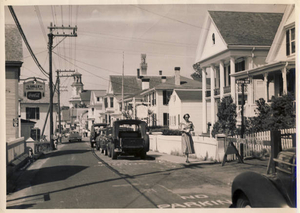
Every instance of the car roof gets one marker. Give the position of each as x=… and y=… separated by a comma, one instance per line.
x=100, y=124
x=120, y=122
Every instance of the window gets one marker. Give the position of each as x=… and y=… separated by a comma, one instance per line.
x=35, y=134
x=166, y=97
x=153, y=119
x=105, y=103
x=111, y=102
x=166, y=119
x=153, y=98
x=98, y=98
x=290, y=41
x=178, y=119
x=33, y=113
x=92, y=111
x=240, y=64
x=213, y=38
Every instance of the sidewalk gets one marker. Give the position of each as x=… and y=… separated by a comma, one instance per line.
x=176, y=159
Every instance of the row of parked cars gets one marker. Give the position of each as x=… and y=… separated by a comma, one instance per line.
x=249, y=189
x=125, y=137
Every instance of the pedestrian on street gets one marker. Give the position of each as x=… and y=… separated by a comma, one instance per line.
x=187, y=143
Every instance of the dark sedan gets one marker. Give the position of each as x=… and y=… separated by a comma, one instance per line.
x=277, y=190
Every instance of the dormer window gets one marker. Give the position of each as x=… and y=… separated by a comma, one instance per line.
x=213, y=38
x=98, y=98
x=290, y=41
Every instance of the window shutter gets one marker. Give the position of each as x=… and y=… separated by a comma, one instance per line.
x=164, y=97
x=37, y=113
x=287, y=42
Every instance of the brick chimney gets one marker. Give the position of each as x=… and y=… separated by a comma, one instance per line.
x=145, y=83
x=177, y=76
x=163, y=79
x=138, y=73
x=160, y=72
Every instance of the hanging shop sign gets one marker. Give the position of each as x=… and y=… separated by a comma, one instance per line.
x=34, y=90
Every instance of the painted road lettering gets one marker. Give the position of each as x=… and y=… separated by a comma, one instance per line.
x=197, y=204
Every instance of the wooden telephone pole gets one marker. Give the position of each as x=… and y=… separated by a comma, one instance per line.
x=51, y=35
x=58, y=96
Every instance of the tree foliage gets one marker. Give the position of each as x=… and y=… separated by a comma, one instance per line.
x=280, y=114
x=226, y=117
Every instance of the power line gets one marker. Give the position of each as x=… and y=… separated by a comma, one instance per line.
x=25, y=40
x=134, y=39
x=38, y=13
x=182, y=22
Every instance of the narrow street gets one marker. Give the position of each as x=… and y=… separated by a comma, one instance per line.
x=76, y=176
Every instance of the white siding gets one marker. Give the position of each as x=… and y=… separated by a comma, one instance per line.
x=195, y=111
x=175, y=110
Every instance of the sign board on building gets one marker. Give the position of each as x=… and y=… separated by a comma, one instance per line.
x=243, y=81
x=34, y=90
x=142, y=111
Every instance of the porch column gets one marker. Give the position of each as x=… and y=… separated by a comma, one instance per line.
x=250, y=91
x=212, y=96
x=266, y=86
x=232, y=79
x=204, y=106
x=221, y=79
x=283, y=72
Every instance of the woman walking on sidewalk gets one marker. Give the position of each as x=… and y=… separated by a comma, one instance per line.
x=187, y=143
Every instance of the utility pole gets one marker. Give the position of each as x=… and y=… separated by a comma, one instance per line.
x=58, y=96
x=123, y=85
x=51, y=35
x=242, y=83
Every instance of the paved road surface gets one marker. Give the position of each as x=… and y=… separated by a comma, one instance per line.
x=76, y=176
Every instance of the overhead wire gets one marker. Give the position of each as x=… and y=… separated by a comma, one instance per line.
x=26, y=42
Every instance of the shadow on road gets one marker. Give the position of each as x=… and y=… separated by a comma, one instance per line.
x=47, y=175
x=63, y=152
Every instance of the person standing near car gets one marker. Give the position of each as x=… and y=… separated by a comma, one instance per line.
x=187, y=143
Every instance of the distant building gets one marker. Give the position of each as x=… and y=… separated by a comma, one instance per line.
x=96, y=107
x=13, y=64
x=189, y=101
x=34, y=107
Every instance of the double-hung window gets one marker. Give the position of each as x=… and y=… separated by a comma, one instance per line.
x=290, y=41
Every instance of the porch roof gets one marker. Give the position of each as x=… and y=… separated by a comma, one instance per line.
x=264, y=69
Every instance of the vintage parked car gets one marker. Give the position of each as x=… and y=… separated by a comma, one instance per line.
x=128, y=138
x=250, y=189
x=74, y=136
x=103, y=139
x=95, y=132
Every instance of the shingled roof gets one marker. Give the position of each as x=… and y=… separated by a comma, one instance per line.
x=188, y=95
x=247, y=28
x=13, y=43
x=85, y=95
x=185, y=83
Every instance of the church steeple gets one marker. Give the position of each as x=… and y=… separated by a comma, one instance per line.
x=77, y=88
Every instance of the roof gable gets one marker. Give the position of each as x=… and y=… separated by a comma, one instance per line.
x=277, y=50
x=185, y=83
x=131, y=84
x=247, y=28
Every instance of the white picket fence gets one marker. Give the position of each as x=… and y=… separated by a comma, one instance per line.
x=257, y=142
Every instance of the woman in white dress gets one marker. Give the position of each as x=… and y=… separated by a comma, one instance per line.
x=187, y=143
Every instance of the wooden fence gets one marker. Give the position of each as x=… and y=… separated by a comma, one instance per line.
x=258, y=144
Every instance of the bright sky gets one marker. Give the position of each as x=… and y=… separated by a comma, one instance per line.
x=167, y=34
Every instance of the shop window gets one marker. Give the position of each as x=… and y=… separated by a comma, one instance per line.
x=33, y=113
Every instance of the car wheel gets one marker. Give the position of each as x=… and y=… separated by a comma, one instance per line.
x=243, y=202
x=143, y=154
x=102, y=150
x=113, y=153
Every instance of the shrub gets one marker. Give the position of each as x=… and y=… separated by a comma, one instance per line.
x=171, y=132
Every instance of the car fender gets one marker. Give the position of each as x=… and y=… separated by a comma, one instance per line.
x=260, y=191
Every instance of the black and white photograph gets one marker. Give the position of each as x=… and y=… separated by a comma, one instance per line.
x=139, y=105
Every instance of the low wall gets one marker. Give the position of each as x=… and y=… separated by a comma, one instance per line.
x=205, y=148
x=15, y=149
